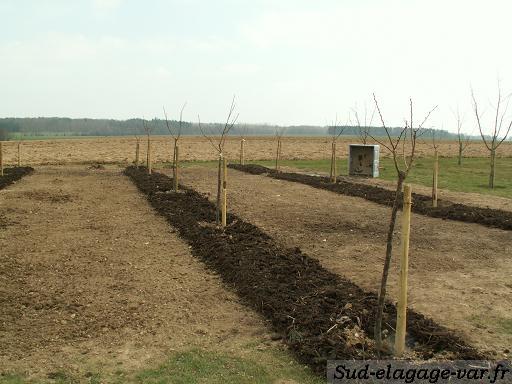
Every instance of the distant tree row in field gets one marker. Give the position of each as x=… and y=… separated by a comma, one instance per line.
x=58, y=126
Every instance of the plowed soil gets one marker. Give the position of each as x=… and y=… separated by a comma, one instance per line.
x=122, y=149
x=321, y=315
x=459, y=272
x=421, y=204
x=91, y=279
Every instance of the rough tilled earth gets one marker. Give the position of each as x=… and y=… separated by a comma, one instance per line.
x=122, y=149
x=93, y=279
x=321, y=315
x=420, y=203
x=459, y=272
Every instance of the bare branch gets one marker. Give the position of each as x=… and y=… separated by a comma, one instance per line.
x=181, y=120
x=477, y=114
x=204, y=133
x=171, y=131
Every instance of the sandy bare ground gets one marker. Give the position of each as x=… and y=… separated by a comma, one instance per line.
x=122, y=149
x=92, y=279
x=459, y=273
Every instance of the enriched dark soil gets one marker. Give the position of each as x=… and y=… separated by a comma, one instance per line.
x=320, y=314
x=422, y=204
x=11, y=175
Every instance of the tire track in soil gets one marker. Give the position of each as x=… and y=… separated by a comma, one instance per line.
x=320, y=314
x=494, y=218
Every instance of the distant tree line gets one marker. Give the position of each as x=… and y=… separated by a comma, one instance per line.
x=58, y=126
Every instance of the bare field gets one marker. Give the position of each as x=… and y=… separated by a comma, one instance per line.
x=459, y=273
x=122, y=149
x=94, y=282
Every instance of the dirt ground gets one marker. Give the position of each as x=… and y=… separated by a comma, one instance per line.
x=467, y=198
x=93, y=279
x=459, y=273
x=122, y=149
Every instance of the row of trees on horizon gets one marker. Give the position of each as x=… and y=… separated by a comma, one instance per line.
x=17, y=128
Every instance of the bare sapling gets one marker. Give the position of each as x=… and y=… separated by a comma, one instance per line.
x=336, y=132
x=435, y=169
x=500, y=130
x=176, y=134
x=19, y=153
x=278, y=136
x=364, y=126
x=218, y=142
x=462, y=139
x=242, y=134
x=403, y=151
x=1, y=158
x=148, y=153
x=137, y=151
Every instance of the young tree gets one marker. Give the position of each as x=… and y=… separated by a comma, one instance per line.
x=137, y=150
x=176, y=136
x=242, y=132
x=218, y=145
x=435, y=170
x=403, y=157
x=364, y=129
x=463, y=139
x=336, y=132
x=500, y=131
x=148, y=153
x=278, y=136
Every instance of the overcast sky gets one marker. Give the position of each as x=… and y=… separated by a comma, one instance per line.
x=287, y=61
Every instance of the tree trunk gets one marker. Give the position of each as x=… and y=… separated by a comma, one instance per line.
x=460, y=153
x=224, y=193
x=219, y=181
x=332, y=162
x=387, y=262
x=175, y=166
x=242, y=154
x=435, y=176
x=493, y=168
x=278, y=154
x=334, y=168
x=137, y=152
x=148, y=156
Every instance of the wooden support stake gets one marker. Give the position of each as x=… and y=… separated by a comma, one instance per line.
x=176, y=157
x=435, y=179
x=332, y=162
x=242, y=152
x=335, y=168
x=224, y=192
x=19, y=154
x=401, y=314
x=148, y=157
x=277, y=154
x=1, y=159
x=137, y=153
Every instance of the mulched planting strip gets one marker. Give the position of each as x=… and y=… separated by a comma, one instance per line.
x=422, y=204
x=319, y=314
x=11, y=175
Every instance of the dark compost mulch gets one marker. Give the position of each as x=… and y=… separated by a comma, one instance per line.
x=319, y=314
x=421, y=204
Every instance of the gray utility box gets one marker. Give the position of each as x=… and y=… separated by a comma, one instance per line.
x=363, y=160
